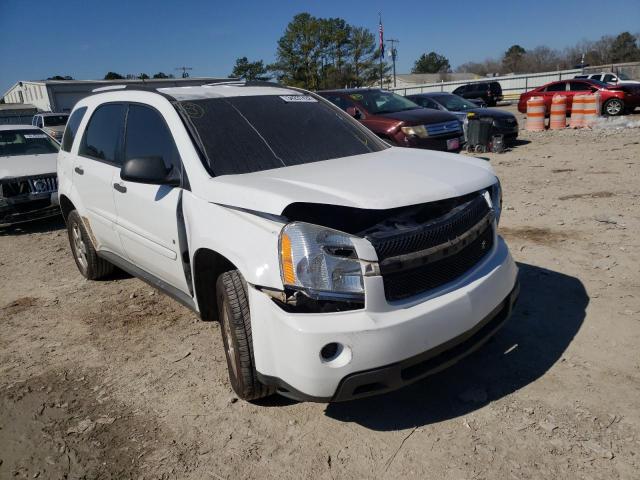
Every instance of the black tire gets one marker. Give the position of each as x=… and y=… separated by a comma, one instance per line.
x=613, y=107
x=235, y=326
x=91, y=266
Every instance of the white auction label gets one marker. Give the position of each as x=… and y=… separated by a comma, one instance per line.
x=298, y=98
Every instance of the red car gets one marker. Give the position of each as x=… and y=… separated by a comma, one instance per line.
x=398, y=120
x=615, y=99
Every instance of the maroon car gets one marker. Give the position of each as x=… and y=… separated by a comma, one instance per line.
x=398, y=120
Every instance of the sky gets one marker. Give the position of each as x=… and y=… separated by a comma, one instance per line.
x=86, y=39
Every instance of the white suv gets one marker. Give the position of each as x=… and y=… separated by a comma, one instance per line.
x=338, y=266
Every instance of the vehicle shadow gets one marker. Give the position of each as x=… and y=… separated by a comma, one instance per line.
x=45, y=225
x=549, y=313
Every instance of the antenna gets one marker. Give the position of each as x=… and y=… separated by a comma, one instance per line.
x=184, y=71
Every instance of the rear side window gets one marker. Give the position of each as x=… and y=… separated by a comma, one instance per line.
x=556, y=87
x=147, y=135
x=102, y=137
x=579, y=87
x=72, y=128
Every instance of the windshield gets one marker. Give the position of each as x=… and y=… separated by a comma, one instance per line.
x=254, y=133
x=379, y=101
x=623, y=76
x=55, y=120
x=454, y=103
x=25, y=142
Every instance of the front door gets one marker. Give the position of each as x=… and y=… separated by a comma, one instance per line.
x=148, y=214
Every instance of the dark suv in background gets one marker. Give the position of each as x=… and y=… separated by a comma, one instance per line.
x=489, y=92
x=399, y=120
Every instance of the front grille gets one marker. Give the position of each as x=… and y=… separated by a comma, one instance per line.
x=406, y=283
x=29, y=185
x=444, y=128
x=435, y=232
x=435, y=253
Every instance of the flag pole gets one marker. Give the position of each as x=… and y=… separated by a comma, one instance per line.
x=381, y=44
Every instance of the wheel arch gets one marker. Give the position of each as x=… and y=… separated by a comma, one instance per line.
x=66, y=206
x=208, y=265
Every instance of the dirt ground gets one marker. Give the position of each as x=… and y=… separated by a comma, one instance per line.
x=113, y=380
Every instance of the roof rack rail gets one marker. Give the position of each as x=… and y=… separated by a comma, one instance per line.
x=108, y=88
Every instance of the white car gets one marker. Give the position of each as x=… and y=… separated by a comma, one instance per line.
x=611, y=78
x=51, y=123
x=28, y=184
x=338, y=266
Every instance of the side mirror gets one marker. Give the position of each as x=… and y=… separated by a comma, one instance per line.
x=150, y=170
x=354, y=112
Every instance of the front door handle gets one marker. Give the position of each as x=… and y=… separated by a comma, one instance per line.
x=119, y=187
x=79, y=170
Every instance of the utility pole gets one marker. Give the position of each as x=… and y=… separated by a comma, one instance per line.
x=394, y=54
x=184, y=71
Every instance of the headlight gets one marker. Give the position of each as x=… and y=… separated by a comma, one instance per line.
x=495, y=191
x=417, y=130
x=320, y=261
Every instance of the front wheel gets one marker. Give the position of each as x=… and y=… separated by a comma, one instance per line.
x=235, y=325
x=613, y=107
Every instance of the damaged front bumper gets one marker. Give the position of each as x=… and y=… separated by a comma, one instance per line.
x=387, y=344
x=28, y=207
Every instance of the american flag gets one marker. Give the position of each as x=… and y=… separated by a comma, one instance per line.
x=381, y=30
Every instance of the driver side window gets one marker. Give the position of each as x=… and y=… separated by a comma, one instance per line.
x=147, y=135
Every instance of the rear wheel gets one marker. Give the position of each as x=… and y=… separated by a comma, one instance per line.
x=613, y=107
x=91, y=266
x=235, y=325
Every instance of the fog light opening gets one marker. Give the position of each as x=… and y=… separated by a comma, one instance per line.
x=330, y=351
x=335, y=355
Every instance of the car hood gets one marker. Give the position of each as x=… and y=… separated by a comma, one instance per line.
x=392, y=178
x=27, y=165
x=55, y=128
x=420, y=116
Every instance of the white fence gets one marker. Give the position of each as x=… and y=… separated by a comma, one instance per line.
x=512, y=85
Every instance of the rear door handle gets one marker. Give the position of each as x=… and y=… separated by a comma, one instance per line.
x=119, y=187
x=79, y=170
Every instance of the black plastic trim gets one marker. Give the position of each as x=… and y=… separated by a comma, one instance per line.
x=152, y=280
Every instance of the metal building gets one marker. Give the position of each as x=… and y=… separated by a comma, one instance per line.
x=62, y=95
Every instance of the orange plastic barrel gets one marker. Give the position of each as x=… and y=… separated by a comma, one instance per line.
x=558, y=115
x=535, y=114
x=577, y=111
x=591, y=109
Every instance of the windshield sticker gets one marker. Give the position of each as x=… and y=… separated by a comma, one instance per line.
x=298, y=98
x=36, y=135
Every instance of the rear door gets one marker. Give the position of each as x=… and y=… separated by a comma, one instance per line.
x=148, y=214
x=556, y=88
x=94, y=168
x=577, y=87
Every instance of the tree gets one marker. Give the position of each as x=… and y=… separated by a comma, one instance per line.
x=143, y=76
x=113, y=76
x=319, y=53
x=625, y=48
x=162, y=75
x=512, y=60
x=363, y=58
x=60, y=77
x=431, y=62
x=249, y=70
